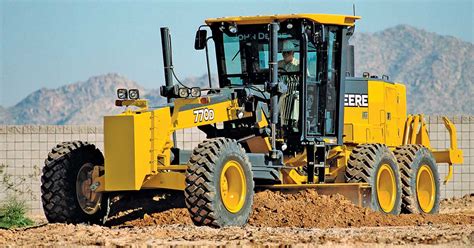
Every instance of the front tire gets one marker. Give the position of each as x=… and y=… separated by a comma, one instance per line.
x=219, y=184
x=65, y=184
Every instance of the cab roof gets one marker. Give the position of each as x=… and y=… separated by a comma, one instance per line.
x=344, y=20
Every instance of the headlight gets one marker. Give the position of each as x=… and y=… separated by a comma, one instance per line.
x=122, y=94
x=195, y=92
x=183, y=92
x=133, y=94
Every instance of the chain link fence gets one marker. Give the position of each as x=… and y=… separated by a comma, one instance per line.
x=23, y=150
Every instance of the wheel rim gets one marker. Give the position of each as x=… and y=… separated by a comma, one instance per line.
x=425, y=188
x=233, y=186
x=386, y=188
x=88, y=200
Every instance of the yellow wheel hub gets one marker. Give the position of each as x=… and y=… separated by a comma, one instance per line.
x=233, y=186
x=386, y=188
x=425, y=188
x=89, y=201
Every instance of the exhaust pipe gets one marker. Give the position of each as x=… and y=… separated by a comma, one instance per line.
x=167, y=60
x=168, y=64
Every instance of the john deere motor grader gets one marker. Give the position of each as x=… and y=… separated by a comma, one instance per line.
x=309, y=125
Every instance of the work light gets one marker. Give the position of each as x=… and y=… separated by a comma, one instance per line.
x=195, y=92
x=122, y=94
x=233, y=28
x=183, y=92
x=133, y=94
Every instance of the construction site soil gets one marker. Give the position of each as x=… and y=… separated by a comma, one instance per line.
x=301, y=218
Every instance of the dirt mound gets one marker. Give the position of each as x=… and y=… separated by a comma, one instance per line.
x=307, y=209
x=168, y=217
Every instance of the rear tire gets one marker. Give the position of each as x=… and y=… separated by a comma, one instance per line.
x=58, y=183
x=420, y=179
x=219, y=184
x=375, y=164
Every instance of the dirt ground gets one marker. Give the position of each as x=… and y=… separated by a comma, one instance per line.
x=302, y=219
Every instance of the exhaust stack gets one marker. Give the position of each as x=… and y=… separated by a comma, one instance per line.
x=167, y=59
x=167, y=64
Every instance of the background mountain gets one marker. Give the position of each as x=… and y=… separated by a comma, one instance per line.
x=70, y=104
x=437, y=70
x=80, y=103
x=3, y=113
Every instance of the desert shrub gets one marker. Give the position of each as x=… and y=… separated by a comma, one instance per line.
x=12, y=209
x=12, y=214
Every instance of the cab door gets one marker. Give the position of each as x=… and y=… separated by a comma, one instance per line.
x=321, y=70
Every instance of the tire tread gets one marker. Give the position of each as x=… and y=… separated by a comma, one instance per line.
x=57, y=190
x=200, y=190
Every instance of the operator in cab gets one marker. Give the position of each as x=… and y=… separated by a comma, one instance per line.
x=289, y=63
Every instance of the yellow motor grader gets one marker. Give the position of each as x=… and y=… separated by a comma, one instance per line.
x=288, y=113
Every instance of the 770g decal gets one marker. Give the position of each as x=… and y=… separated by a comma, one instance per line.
x=203, y=114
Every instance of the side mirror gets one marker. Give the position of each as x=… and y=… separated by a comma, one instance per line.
x=200, y=40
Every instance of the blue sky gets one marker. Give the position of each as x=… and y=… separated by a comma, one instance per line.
x=52, y=43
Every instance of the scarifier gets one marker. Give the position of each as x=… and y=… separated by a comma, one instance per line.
x=309, y=125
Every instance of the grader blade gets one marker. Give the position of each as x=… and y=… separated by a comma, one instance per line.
x=357, y=193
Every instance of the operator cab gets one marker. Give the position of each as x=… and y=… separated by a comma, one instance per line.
x=316, y=72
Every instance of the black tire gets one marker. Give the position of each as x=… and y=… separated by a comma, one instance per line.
x=58, y=183
x=364, y=164
x=203, y=191
x=410, y=159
